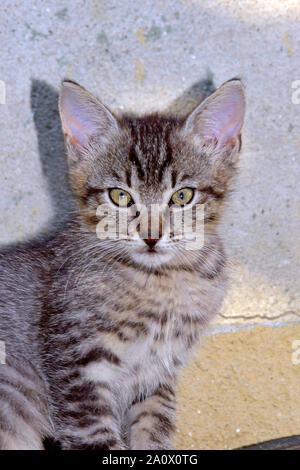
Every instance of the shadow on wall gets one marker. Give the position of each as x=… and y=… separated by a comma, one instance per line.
x=44, y=105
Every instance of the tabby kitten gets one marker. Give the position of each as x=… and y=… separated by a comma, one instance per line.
x=96, y=328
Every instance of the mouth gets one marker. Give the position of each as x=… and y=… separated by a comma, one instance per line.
x=152, y=257
x=151, y=251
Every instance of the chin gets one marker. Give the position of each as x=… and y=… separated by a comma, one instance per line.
x=152, y=259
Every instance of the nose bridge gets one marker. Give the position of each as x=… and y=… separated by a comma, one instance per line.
x=155, y=222
x=151, y=223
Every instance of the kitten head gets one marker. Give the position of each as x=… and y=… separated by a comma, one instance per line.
x=152, y=172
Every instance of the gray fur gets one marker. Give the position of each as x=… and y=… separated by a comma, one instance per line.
x=96, y=330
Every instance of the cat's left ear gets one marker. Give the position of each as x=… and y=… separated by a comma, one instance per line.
x=219, y=119
x=84, y=117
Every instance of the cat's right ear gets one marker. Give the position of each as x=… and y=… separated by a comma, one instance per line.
x=83, y=117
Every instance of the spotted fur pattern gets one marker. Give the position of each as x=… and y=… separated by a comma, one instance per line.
x=96, y=330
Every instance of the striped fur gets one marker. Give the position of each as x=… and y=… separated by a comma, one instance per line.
x=96, y=330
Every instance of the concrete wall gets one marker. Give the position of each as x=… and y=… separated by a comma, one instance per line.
x=141, y=56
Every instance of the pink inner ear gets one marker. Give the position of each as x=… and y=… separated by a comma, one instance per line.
x=83, y=116
x=229, y=132
x=78, y=115
x=225, y=120
x=77, y=124
x=221, y=116
x=78, y=132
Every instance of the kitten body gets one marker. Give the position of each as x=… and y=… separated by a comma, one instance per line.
x=96, y=329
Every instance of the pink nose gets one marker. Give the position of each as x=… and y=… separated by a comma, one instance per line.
x=151, y=242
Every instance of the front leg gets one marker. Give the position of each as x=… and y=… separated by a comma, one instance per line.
x=152, y=420
x=88, y=416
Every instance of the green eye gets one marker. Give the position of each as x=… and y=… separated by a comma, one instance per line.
x=182, y=197
x=120, y=197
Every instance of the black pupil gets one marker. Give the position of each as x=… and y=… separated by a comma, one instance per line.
x=181, y=195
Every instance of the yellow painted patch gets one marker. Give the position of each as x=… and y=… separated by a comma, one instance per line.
x=240, y=389
x=34, y=213
x=139, y=72
x=140, y=36
x=287, y=43
x=69, y=70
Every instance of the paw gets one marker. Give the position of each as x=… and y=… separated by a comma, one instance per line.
x=110, y=443
x=154, y=444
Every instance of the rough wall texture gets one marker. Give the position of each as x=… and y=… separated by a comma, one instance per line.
x=141, y=56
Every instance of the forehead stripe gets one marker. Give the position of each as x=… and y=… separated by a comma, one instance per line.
x=135, y=161
x=168, y=157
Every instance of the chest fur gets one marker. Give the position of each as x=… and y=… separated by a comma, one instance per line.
x=158, y=319
x=150, y=322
